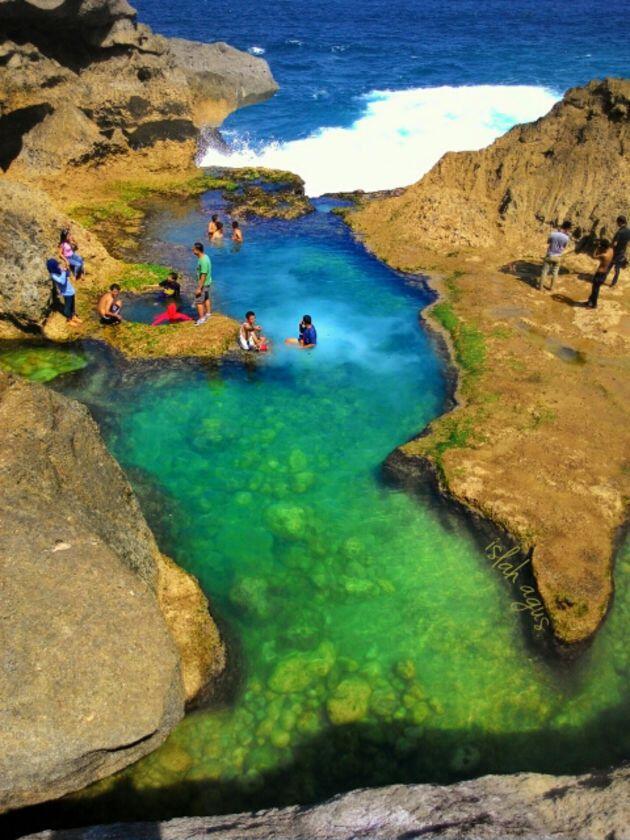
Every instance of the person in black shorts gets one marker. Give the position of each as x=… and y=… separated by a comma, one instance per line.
x=109, y=307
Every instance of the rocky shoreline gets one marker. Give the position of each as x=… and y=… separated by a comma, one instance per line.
x=527, y=806
x=535, y=442
x=101, y=620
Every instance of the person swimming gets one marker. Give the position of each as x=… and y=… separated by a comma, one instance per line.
x=212, y=225
x=307, y=338
x=217, y=236
x=171, y=287
x=237, y=233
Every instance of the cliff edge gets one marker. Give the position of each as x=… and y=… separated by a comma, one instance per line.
x=84, y=82
x=537, y=444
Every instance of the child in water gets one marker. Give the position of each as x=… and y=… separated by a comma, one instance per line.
x=217, y=236
x=237, y=233
x=307, y=338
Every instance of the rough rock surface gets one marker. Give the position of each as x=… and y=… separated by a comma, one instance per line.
x=537, y=444
x=90, y=675
x=221, y=77
x=571, y=163
x=104, y=85
x=524, y=806
x=29, y=230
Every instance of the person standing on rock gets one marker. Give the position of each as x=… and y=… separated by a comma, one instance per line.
x=204, y=281
x=604, y=254
x=619, y=244
x=65, y=289
x=556, y=246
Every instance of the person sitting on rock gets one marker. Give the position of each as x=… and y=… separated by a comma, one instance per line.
x=237, y=233
x=64, y=288
x=212, y=225
x=249, y=335
x=171, y=287
x=307, y=338
x=556, y=246
x=604, y=254
x=109, y=307
x=68, y=254
x=619, y=244
x=217, y=236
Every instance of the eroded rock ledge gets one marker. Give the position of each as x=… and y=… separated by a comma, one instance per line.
x=81, y=82
x=525, y=806
x=104, y=639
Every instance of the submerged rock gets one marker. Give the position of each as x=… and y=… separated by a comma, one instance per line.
x=349, y=702
x=300, y=671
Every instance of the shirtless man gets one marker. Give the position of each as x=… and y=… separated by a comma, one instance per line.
x=212, y=225
x=109, y=306
x=249, y=335
x=237, y=233
x=604, y=255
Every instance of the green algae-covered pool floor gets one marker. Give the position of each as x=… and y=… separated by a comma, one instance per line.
x=371, y=640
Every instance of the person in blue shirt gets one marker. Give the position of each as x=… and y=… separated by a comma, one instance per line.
x=307, y=338
x=64, y=289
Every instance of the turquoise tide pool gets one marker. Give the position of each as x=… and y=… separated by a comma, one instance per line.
x=371, y=641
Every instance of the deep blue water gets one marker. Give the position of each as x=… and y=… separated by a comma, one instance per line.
x=330, y=57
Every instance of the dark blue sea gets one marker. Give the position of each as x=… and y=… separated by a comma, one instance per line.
x=373, y=93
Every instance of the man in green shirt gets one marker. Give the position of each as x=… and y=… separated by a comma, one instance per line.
x=204, y=281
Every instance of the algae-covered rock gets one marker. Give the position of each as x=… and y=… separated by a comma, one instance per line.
x=299, y=671
x=251, y=595
x=287, y=520
x=350, y=701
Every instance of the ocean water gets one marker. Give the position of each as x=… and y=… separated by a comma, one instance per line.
x=372, y=94
x=370, y=639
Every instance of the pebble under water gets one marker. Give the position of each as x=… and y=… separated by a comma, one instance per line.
x=371, y=641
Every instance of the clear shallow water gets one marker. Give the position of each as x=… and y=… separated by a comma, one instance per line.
x=372, y=94
x=371, y=642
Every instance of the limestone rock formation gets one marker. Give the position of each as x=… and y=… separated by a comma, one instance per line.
x=525, y=806
x=92, y=657
x=571, y=163
x=29, y=227
x=221, y=77
x=83, y=81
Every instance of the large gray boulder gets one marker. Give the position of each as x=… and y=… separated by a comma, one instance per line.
x=218, y=73
x=526, y=806
x=90, y=667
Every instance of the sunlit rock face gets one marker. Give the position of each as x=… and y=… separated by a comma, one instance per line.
x=82, y=82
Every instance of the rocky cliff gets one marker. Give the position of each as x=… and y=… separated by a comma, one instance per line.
x=103, y=639
x=571, y=163
x=83, y=81
x=524, y=806
x=537, y=443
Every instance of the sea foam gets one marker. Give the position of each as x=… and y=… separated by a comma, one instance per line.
x=397, y=138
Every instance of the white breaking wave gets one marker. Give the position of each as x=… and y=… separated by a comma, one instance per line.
x=398, y=138
x=256, y=50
